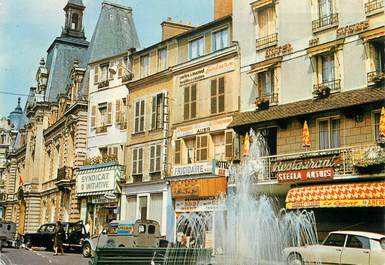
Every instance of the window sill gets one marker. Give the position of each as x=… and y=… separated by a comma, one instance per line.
x=156, y=130
x=325, y=28
x=138, y=133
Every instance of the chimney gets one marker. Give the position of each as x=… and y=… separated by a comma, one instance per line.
x=222, y=8
x=171, y=28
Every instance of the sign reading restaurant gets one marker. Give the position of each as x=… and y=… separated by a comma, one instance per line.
x=299, y=170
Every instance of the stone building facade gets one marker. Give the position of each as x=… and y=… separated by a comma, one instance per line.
x=52, y=143
x=319, y=62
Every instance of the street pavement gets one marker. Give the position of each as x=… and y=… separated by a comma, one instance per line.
x=11, y=256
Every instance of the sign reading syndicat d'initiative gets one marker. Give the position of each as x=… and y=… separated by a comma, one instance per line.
x=304, y=170
x=96, y=181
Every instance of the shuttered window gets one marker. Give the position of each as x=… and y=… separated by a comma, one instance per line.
x=155, y=158
x=93, y=116
x=118, y=114
x=229, y=145
x=217, y=101
x=137, y=161
x=178, y=151
x=96, y=74
x=190, y=102
x=266, y=22
x=157, y=111
x=202, y=147
x=139, y=116
x=109, y=113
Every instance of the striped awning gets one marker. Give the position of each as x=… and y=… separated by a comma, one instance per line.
x=95, y=193
x=371, y=194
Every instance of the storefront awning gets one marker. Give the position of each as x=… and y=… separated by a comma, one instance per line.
x=338, y=195
x=95, y=193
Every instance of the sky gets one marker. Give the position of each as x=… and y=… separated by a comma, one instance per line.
x=28, y=27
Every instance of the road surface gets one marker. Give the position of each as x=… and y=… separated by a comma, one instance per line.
x=21, y=256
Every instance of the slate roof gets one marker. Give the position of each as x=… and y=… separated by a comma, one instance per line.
x=76, y=2
x=114, y=33
x=305, y=107
x=17, y=117
x=61, y=56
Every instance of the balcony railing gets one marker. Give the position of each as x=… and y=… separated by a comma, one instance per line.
x=269, y=40
x=101, y=129
x=122, y=125
x=373, y=6
x=325, y=88
x=344, y=161
x=64, y=173
x=376, y=77
x=103, y=84
x=325, y=22
x=3, y=196
x=137, y=178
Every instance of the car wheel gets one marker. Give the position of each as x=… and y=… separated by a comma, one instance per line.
x=294, y=259
x=86, y=250
x=28, y=243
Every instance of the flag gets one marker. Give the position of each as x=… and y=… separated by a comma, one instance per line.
x=306, y=135
x=381, y=128
x=21, y=181
x=246, y=145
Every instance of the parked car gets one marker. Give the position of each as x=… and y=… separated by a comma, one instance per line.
x=125, y=234
x=341, y=247
x=44, y=237
x=8, y=236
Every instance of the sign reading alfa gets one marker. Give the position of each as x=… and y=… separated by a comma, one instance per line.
x=97, y=180
x=299, y=170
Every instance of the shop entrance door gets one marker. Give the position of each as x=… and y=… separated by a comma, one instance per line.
x=22, y=207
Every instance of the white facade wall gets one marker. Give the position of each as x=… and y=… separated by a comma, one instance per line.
x=294, y=26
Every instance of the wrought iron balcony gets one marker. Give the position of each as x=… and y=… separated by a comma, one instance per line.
x=122, y=125
x=376, y=77
x=137, y=178
x=345, y=162
x=103, y=84
x=101, y=129
x=325, y=22
x=263, y=102
x=127, y=77
x=64, y=176
x=373, y=7
x=325, y=88
x=267, y=41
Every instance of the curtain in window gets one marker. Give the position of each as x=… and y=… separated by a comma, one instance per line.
x=323, y=134
x=335, y=134
x=328, y=68
x=325, y=8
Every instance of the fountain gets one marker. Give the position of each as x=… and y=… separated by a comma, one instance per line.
x=252, y=230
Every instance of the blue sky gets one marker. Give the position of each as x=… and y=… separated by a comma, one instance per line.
x=28, y=27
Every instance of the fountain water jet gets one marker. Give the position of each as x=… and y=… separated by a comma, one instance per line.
x=252, y=230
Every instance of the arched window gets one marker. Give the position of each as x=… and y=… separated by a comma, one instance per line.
x=75, y=21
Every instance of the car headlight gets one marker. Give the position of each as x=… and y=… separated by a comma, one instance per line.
x=382, y=242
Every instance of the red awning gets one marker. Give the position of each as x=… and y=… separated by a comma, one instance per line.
x=338, y=195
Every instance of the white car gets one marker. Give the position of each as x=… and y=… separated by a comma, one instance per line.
x=341, y=247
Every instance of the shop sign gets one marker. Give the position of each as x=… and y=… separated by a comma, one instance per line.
x=207, y=187
x=98, y=180
x=352, y=29
x=221, y=168
x=206, y=205
x=317, y=174
x=103, y=200
x=206, y=72
x=203, y=127
x=192, y=169
x=278, y=51
x=311, y=169
x=337, y=203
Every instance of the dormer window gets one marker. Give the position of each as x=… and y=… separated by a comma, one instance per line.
x=196, y=48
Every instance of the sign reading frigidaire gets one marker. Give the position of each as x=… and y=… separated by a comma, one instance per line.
x=313, y=169
x=192, y=169
x=100, y=180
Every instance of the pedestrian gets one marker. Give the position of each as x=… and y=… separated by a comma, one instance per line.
x=87, y=227
x=59, y=238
